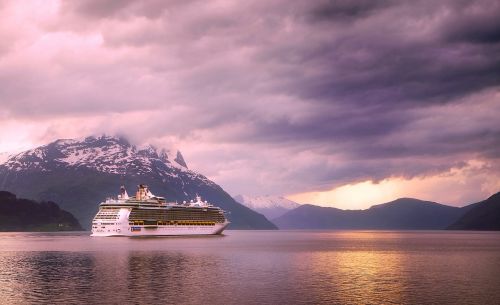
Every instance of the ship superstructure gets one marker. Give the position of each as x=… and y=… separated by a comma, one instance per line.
x=148, y=215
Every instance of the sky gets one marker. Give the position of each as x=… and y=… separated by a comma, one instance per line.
x=337, y=103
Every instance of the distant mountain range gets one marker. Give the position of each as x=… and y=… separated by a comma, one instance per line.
x=79, y=174
x=269, y=206
x=17, y=214
x=401, y=214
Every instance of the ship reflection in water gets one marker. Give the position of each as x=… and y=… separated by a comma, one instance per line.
x=251, y=267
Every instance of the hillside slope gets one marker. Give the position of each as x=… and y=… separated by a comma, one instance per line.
x=17, y=214
x=484, y=215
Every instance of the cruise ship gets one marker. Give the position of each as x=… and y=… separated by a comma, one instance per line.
x=148, y=215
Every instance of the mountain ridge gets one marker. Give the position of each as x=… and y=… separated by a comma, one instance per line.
x=402, y=213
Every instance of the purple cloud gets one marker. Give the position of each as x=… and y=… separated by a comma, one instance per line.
x=300, y=96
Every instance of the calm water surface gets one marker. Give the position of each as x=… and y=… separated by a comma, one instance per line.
x=252, y=267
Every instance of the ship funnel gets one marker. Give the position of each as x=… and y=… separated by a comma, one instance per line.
x=123, y=193
x=142, y=192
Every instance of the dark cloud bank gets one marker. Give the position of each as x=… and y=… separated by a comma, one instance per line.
x=375, y=89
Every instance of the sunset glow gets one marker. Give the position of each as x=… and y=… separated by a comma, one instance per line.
x=446, y=188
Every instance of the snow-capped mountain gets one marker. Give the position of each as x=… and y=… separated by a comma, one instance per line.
x=79, y=174
x=104, y=154
x=270, y=206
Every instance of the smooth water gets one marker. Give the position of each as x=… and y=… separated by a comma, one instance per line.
x=252, y=267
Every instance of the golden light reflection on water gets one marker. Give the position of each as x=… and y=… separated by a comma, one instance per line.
x=403, y=268
x=356, y=277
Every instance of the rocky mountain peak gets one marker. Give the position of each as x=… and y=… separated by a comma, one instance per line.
x=180, y=159
x=105, y=153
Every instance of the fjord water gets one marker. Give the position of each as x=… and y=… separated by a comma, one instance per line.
x=253, y=267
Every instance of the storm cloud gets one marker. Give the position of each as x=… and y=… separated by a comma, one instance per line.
x=265, y=97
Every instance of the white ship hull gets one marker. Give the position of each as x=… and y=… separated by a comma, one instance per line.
x=170, y=230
